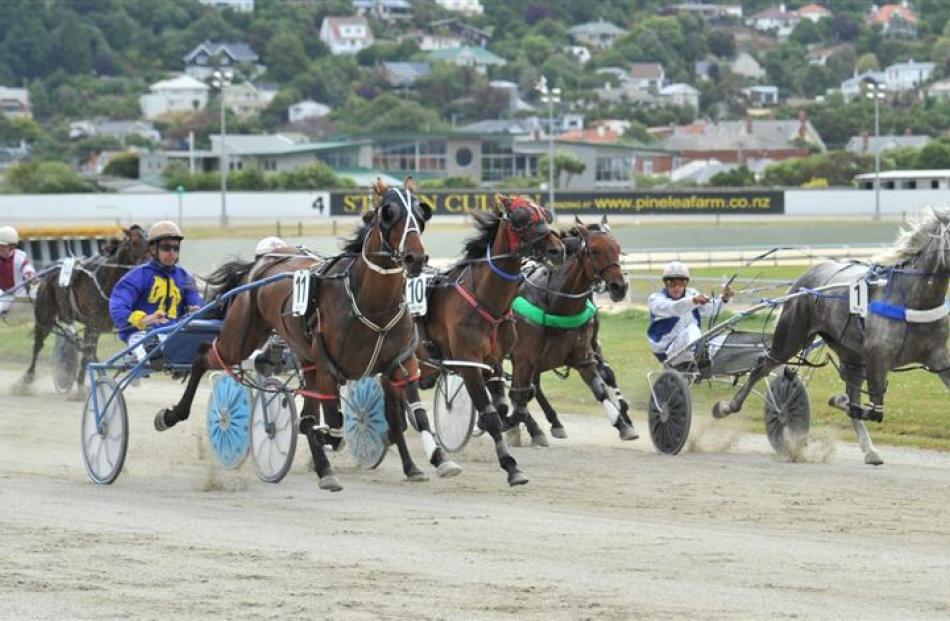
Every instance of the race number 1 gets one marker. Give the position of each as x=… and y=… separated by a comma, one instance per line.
x=416, y=296
x=858, y=298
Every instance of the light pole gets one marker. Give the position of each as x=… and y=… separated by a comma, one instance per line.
x=550, y=97
x=221, y=80
x=876, y=92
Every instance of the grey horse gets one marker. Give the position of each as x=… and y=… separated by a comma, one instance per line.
x=906, y=322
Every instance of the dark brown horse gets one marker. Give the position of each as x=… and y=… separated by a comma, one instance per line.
x=356, y=324
x=469, y=308
x=86, y=299
x=557, y=327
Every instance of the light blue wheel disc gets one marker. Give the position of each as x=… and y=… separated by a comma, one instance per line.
x=364, y=421
x=229, y=421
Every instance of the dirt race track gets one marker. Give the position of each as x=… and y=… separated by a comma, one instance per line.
x=602, y=531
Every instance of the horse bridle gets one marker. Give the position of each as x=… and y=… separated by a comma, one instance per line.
x=396, y=255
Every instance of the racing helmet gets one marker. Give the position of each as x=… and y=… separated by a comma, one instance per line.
x=9, y=236
x=268, y=244
x=676, y=269
x=164, y=229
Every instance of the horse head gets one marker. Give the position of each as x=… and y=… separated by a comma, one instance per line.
x=400, y=218
x=601, y=252
x=529, y=229
x=132, y=249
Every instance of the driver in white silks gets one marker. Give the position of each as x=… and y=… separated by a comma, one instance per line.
x=676, y=313
x=15, y=269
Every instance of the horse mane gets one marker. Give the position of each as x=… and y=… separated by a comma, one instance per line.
x=229, y=275
x=486, y=227
x=354, y=243
x=927, y=232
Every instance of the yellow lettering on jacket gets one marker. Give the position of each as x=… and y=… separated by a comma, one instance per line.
x=166, y=295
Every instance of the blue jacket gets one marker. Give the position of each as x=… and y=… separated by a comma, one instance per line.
x=145, y=289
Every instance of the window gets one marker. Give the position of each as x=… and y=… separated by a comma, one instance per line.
x=269, y=164
x=338, y=159
x=463, y=157
x=888, y=185
x=909, y=185
x=431, y=155
x=399, y=156
x=497, y=161
x=613, y=169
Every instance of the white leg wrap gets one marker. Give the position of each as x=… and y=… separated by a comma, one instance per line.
x=612, y=411
x=614, y=395
x=428, y=443
x=864, y=438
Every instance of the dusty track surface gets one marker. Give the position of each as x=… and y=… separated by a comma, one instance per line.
x=602, y=531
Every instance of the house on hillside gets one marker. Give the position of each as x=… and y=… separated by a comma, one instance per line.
x=907, y=76
x=118, y=129
x=895, y=20
x=761, y=96
x=390, y=11
x=746, y=65
x=599, y=35
x=647, y=76
x=346, y=35
x=775, y=19
x=469, y=56
x=208, y=56
x=307, y=109
x=749, y=139
x=179, y=94
x=248, y=100
x=475, y=36
x=814, y=12
x=867, y=144
x=466, y=7
x=939, y=91
x=402, y=74
x=15, y=102
x=431, y=42
x=680, y=94
x=709, y=12
x=241, y=6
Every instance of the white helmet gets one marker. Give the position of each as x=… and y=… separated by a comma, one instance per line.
x=164, y=229
x=8, y=235
x=676, y=269
x=268, y=244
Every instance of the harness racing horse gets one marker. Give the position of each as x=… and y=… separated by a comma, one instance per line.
x=906, y=321
x=556, y=324
x=356, y=325
x=86, y=299
x=469, y=315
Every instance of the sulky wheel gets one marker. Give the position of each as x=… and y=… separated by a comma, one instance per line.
x=229, y=421
x=670, y=413
x=105, y=431
x=365, y=428
x=273, y=430
x=453, y=413
x=65, y=361
x=787, y=413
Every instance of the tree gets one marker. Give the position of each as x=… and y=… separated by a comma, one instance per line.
x=44, y=178
x=737, y=178
x=286, y=57
x=837, y=167
x=564, y=163
x=722, y=43
x=124, y=165
x=867, y=62
x=806, y=32
x=935, y=155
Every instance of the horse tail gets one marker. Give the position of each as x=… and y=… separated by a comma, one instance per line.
x=229, y=275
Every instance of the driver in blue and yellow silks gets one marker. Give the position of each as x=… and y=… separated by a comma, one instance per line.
x=156, y=293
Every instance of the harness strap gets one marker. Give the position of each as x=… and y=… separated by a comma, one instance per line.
x=535, y=314
x=381, y=331
x=484, y=313
x=312, y=394
x=220, y=361
x=910, y=315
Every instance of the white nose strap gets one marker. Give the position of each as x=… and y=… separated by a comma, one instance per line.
x=412, y=224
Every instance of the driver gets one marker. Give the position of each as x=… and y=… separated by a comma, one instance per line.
x=15, y=266
x=676, y=311
x=156, y=293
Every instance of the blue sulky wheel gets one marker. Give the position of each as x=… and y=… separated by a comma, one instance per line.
x=105, y=431
x=229, y=421
x=364, y=421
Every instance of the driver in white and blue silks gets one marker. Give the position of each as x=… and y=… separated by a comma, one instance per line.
x=676, y=312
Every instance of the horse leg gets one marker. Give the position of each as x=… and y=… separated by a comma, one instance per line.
x=489, y=420
x=877, y=386
x=396, y=417
x=444, y=468
x=608, y=401
x=521, y=393
x=607, y=374
x=169, y=417
x=852, y=372
x=40, y=331
x=309, y=426
x=90, y=339
x=557, y=428
x=333, y=419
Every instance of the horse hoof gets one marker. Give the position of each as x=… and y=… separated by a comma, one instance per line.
x=628, y=433
x=540, y=440
x=839, y=401
x=871, y=458
x=330, y=483
x=160, y=422
x=416, y=476
x=448, y=469
x=721, y=409
x=27, y=379
x=559, y=433
x=513, y=436
x=517, y=478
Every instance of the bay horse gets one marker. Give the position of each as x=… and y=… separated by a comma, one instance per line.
x=469, y=307
x=86, y=299
x=356, y=325
x=906, y=322
x=556, y=325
